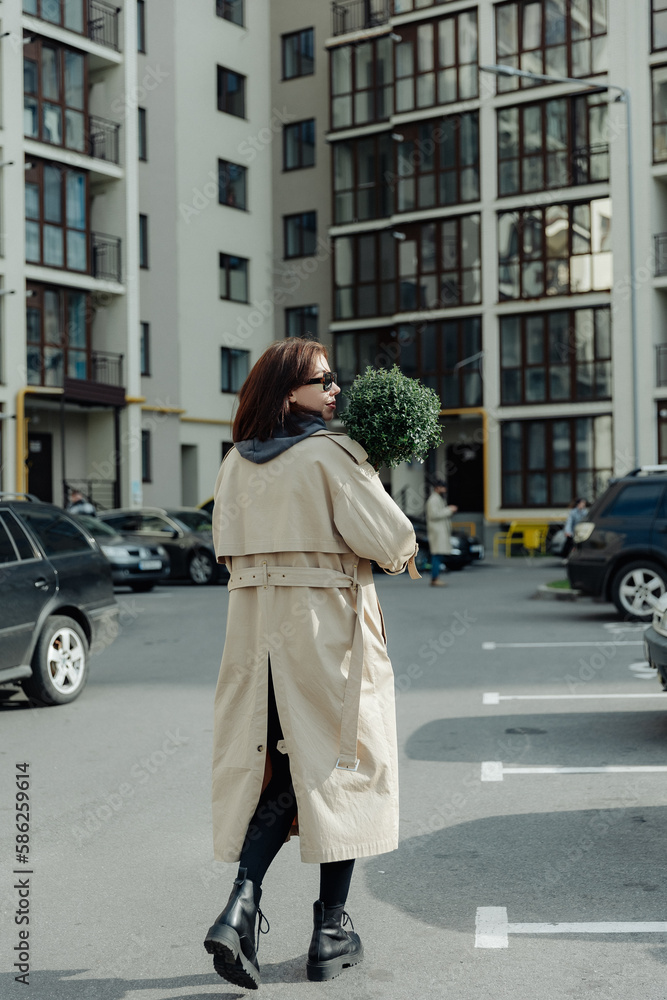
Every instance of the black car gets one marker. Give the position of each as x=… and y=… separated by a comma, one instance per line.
x=620, y=551
x=56, y=600
x=185, y=532
x=134, y=563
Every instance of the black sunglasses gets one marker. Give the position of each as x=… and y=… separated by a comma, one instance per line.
x=326, y=380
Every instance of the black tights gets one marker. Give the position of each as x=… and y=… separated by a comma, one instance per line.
x=273, y=819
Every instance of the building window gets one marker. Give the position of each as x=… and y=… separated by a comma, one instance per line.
x=437, y=163
x=298, y=54
x=141, y=26
x=233, y=278
x=545, y=463
x=143, y=134
x=146, y=470
x=553, y=144
x=658, y=25
x=555, y=357
x=299, y=145
x=231, y=92
x=231, y=10
x=361, y=82
x=436, y=62
x=557, y=250
x=429, y=351
x=145, y=348
x=56, y=211
x=659, y=77
x=70, y=15
x=143, y=241
x=55, y=85
x=300, y=234
x=234, y=365
x=302, y=321
x=58, y=335
x=436, y=265
x=556, y=39
x=363, y=178
x=232, y=184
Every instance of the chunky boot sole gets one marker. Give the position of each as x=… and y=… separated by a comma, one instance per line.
x=319, y=972
x=229, y=961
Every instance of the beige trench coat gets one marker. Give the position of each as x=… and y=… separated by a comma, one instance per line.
x=297, y=533
x=439, y=525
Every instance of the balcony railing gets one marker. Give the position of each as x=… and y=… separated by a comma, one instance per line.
x=105, y=256
x=103, y=493
x=660, y=364
x=103, y=139
x=355, y=15
x=106, y=368
x=660, y=251
x=103, y=23
x=57, y=366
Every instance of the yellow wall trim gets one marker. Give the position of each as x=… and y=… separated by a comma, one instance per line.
x=135, y=399
x=163, y=409
x=205, y=420
x=22, y=429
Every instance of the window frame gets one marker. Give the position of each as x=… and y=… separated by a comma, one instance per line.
x=223, y=9
x=301, y=144
x=230, y=381
x=382, y=187
x=224, y=260
x=145, y=348
x=382, y=90
x=146, y=456
x=141, y=27
x=410, y=36
x=222, y=164
x=142, y=138
x=223, y=73
x=62, y=346
x=302, y=34
x=32, y=52
x=658, y=124
x=61, y=22
x=144, y=256
x=36, y=176
x=303, y=319
x=301, y=229
x=439, y=127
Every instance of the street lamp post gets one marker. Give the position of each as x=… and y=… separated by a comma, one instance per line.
x=623, y=96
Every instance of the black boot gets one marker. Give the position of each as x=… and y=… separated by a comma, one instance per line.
x=332, y=949
x=231, y=939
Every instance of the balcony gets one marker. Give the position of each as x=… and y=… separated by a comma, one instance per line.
x=94, y=378
x=660, y=255
x=660, y=365
x=356, y=15
x=103, y=139
x=97, y=19
x=105, y=256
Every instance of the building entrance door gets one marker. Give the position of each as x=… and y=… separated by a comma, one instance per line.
x=40, y=466
x=465, y=475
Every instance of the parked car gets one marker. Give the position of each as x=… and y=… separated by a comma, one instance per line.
x=133, y=563
x=185, y=532
x=620, y=551
x=655, y=641
x=465, y=548
x=56, y=600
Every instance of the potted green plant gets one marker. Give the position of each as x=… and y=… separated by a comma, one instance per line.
x=395, y=418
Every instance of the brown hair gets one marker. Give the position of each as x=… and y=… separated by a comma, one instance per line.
x=263, y=402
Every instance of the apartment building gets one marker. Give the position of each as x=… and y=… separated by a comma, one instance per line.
x=472, y=235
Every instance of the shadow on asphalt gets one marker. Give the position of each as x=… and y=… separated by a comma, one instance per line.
x=49, y=984
x=593, y=865
x=583, y=739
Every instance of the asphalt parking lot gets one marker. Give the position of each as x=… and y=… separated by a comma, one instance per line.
x=533, y=809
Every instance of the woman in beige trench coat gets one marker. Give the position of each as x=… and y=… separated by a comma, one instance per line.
x=304, y=707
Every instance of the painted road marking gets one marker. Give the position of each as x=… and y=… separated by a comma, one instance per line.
x=494, y=770
x=494, y=697
x=553, y=645
x=642, y=670
x=492, y=928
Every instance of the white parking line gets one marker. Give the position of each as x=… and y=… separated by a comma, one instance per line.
x=492, y=928
x=494, y=697
x=553, y=645
x=494, y=770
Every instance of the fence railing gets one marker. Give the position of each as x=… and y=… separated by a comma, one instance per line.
x=103, y=23
x=660, y=251
x=103, y=493
x=661, y=364
x=103, y=139
x=105, y=255
x=106, y=368
x=355, y=15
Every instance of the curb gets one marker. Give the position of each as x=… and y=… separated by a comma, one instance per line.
x=554, y=594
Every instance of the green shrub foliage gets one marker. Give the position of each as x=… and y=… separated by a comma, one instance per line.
x=395, y=418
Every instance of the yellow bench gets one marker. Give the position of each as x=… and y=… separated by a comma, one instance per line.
x=531, y=535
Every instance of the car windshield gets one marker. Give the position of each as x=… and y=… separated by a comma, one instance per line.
x=193, y=520
x=98, y=529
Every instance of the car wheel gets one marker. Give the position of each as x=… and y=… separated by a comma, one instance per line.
x=636, y=587
x=142, y=587
x=202, y=568
x=59, y=663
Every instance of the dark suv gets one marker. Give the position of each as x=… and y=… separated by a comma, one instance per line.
x=56, y=600
x=620, y=552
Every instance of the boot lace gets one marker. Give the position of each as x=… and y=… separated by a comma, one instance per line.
x=346, y=919
x=260, y=929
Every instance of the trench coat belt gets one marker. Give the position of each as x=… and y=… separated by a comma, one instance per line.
x=266, y=576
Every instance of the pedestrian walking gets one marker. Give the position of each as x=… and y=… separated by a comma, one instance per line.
x=304, y=722
x=439, y=529
x=576, y=513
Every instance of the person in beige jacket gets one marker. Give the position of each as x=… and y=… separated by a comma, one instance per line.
x=304, y=708
x=439, y=528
